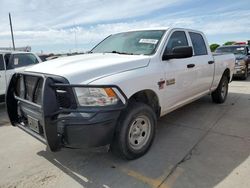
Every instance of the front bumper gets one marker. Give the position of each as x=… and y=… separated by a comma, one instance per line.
x=239, y=70
x=58, y=121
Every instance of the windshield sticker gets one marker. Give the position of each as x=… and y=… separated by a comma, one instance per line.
x=148, y=41
x=240, y=48
x=16, y=61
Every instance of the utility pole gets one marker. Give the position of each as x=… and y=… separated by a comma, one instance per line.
x=76, y=50
x=12, y=36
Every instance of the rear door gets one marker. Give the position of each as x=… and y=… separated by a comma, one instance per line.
x=2, y=76
x=204, y=63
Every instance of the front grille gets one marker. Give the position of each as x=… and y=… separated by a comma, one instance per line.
x=29, y=88
x=38, y=93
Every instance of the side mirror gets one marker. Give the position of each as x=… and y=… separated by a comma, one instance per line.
x=179, y=52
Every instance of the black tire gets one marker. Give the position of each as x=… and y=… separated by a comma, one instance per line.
x=122, y=144
x=220, y=94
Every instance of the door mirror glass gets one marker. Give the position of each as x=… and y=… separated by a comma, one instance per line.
x=179, y=52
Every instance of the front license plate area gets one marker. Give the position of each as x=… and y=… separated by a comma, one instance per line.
x=33, y=124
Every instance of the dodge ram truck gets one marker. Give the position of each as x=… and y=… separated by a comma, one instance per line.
x=242, y=55
x=114, y=94
x=11, y=62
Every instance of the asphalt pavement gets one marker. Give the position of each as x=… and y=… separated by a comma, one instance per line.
x=199, y=145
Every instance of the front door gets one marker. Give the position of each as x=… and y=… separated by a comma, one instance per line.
x=180, y=74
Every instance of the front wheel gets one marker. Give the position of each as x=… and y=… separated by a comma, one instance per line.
x=220, y=94
x=135, y=131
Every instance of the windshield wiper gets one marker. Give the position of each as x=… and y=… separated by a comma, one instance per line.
x=116, y=52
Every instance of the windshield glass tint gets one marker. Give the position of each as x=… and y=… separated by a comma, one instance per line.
x=135, y=42
x=233, y=49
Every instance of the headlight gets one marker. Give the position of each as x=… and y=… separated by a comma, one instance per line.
x=96, y=96
x=240, y=62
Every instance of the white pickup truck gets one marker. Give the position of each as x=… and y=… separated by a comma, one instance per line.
x=115, y=93
x=11, y=62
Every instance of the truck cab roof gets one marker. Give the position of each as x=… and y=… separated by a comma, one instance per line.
x=237, y=45
x=12, y=52
x=161, y=28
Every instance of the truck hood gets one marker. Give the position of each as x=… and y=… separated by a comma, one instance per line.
x=82, y=69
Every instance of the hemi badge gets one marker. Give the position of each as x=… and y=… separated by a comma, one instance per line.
x=170, y=82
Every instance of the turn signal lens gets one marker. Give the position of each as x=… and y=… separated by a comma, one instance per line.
x=110, y=92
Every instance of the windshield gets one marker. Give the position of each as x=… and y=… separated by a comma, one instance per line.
x=232, y=49
x=131, y=43
x=21, y=60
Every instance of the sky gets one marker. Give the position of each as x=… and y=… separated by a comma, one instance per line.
x=61, y=26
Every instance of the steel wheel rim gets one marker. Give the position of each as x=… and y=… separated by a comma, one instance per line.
x=224, y=90
x=139, y=132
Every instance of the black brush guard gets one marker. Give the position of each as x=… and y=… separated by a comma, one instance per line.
x=50, y=113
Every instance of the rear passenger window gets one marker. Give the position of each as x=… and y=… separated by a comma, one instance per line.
x=178, y=38
x=198, y=44
x=1, y=63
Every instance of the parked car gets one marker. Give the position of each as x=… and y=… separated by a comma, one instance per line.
x=43, y=57
x=53, y=57
x=11, y=62
x=242, y=63
x=47, y=57
x=114, y=94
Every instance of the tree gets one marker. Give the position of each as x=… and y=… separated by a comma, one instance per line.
x=213, y=47
x=229, y=43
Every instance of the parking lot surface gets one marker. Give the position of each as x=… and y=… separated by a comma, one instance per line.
x=199, y=145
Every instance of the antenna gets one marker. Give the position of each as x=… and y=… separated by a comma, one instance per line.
x=12, y=36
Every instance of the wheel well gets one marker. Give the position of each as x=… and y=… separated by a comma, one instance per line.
x=227, y=73
x=148, y=97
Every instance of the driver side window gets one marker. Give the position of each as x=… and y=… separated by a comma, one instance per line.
x=178, y=38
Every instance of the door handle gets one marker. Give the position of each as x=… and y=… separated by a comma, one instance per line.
x=190, y=65
x=211, y=62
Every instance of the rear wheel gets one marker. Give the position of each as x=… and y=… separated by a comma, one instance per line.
x=135, y=131
x=220, y=94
